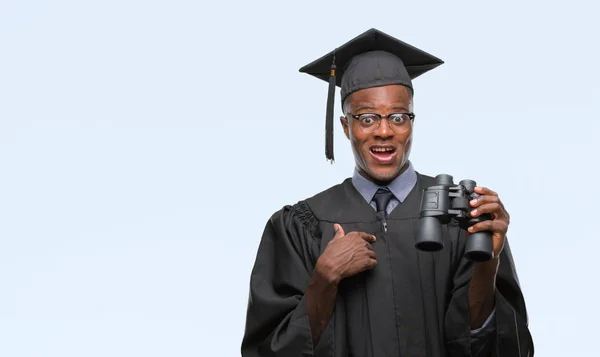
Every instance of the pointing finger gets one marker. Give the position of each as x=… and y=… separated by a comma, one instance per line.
x=368, y=237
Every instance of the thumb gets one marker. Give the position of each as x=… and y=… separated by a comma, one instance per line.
x=339, y=231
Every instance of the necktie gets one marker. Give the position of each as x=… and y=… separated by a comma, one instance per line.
x=382, y=198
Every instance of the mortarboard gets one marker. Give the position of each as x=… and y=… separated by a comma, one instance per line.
x=371, y=59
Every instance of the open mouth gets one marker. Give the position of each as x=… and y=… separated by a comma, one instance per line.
x=383, y=154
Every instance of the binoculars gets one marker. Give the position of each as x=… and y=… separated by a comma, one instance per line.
x=443, y=202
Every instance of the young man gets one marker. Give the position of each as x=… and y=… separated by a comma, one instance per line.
x=338, y=274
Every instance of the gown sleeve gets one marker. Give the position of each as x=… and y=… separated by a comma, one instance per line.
x=276, y=320
x=507, y=334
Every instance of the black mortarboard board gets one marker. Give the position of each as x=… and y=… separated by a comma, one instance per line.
x=371, y=59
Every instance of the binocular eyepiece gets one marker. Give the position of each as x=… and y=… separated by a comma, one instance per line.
x=441, y=203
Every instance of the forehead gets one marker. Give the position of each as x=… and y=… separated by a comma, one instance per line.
x=391, y=95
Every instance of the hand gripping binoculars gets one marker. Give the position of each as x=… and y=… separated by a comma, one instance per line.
x=443, y=202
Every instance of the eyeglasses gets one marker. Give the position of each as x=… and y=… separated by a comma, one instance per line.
x=398, y=122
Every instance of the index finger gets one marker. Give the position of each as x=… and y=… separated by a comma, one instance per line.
x=485, y=191
x=368, y=237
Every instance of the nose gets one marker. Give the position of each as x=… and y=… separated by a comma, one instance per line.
x=384, y=131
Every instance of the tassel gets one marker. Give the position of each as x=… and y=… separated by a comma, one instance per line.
x=329, y=115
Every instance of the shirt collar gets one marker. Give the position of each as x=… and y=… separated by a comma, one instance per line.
x=400, y=186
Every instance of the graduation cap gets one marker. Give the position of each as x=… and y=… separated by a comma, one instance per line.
x=371, y=59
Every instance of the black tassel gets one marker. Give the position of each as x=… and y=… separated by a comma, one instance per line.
x=329, y=116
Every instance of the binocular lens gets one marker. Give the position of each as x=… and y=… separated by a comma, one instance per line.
x=479, y=247
x=430, y=235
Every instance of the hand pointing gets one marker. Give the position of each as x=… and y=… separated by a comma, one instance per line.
x=346, y=255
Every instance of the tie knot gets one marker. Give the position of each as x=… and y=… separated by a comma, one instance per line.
x=382, y=198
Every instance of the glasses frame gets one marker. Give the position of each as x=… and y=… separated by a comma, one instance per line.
x=380, y=117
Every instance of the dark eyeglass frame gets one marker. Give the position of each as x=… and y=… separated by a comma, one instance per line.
x=380, y=117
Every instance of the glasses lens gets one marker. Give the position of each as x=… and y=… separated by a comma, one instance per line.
x=399, y=123
x=368, y=122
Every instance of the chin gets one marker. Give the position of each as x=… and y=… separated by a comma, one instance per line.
x=383, y=174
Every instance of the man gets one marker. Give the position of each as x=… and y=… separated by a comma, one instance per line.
x=338, y=274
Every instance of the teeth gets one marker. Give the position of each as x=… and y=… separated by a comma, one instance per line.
x=383, y=149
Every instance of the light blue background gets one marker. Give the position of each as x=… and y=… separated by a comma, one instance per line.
x=144, y=145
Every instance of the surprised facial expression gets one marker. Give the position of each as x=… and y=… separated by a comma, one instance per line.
x=381, y=154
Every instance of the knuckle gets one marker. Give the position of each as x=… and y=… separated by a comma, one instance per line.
x=487, y=199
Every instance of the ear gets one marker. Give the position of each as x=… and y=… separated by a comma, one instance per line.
x=344, y=122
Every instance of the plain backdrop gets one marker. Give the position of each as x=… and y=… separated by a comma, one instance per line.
x=145, y=144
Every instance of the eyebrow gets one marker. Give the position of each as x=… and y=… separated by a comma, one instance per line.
x=364, y=107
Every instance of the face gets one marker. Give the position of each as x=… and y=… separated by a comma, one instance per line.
x=383, y=154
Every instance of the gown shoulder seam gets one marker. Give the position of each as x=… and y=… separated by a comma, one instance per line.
x=306, y=216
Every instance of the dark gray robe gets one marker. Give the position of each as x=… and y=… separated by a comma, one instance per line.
x=412, y=304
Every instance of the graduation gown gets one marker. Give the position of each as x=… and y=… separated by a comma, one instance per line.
x=411, y=304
